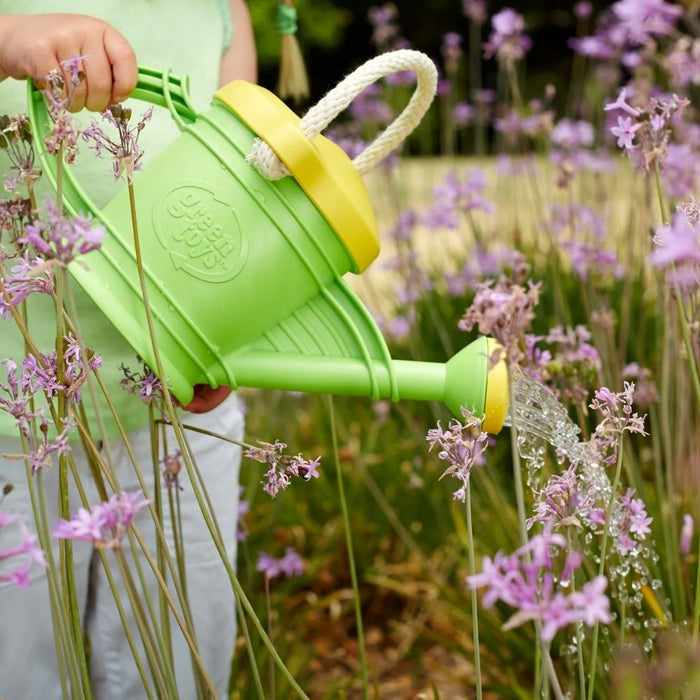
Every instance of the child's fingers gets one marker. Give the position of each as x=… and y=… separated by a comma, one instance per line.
x=97, y=85
x=123, y=61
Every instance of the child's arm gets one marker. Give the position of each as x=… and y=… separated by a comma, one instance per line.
x=33, y=45
x=239, y=60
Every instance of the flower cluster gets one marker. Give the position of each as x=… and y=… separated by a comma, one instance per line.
x=291, y=564
x=125, y=150
x=42, y=373
x=61, y=240
x=17, y=559
x=106, y=523
x=644, y=134
x=475, y=10
x=569, y=364
x=64, y=134
x=487, y=264
x=281, y=468
x=564, y=501
x=17, y=397
x=617, y=418
x=630, y=523
x=529, y=581
x=627, y=33
x=678, y=252
x=16, y=141
x=503, y=310
x=507, y=42
x=143, y=382
x=462, y=446
x=456, y=197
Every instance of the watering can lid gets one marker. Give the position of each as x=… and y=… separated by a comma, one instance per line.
x=321, y=168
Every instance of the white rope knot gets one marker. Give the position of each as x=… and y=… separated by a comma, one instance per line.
x=336, y=100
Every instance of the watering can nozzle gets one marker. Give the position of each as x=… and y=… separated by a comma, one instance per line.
x=469, y=379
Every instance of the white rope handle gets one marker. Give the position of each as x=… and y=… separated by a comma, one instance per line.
x=338, y=99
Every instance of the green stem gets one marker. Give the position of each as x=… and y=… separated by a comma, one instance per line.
x=66, y=564
x=160, y=544
x=125, y=625
x=601, y=567
x=65, y=649
x=268, y=611
x=475, y=604
x=351, y=553
x=579, y=636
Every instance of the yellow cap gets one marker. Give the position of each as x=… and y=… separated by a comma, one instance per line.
x=497, y=393
x=321, y=168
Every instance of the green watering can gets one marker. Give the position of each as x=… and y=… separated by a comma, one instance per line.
x=248, y=221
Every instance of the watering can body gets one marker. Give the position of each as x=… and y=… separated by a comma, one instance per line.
x=244, y=274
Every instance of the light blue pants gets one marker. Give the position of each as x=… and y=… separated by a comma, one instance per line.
x=28, y=668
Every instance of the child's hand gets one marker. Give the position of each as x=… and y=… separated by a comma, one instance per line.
x=206, y=399
x=33, y=45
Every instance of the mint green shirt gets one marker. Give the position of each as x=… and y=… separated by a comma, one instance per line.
x=187, y=36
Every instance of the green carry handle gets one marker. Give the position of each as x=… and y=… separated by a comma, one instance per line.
x=243, y=272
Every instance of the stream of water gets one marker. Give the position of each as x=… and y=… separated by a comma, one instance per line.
x=540, y=417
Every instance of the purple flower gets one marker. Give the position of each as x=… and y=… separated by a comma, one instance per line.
x=617, y=418
x=371, y=108
x=680, y=169
x=74, y=68
x=144, y=383
x=64, y=133
x=645, y=392
x=630, y=523
x=291, y=564
x=683, y=62
x=475, y=10
x=572, y=134
x=124, y=148
x=17, y=558
x=531, y=582
x=281, y=468
x=455, y=197
x=625, y=132
x=451, y=50
x=583, y=9
x=678, y=252
x=105, y=524
x=507, y=41
x=596, y=47
x=16, y=141
x=462, y=114
x=386, y=33
x=27, y=277
x=621, y=104
x=564, y=501
x=503, y=310
x=267, y=565
x=644, y=19
x=60, y=239
x=462, y=446
x=41, y=374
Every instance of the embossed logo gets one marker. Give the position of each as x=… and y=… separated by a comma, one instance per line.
x=200, y=233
